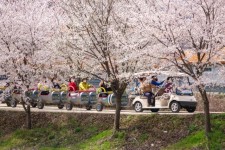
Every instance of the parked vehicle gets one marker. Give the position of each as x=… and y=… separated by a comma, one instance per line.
x=180, y=97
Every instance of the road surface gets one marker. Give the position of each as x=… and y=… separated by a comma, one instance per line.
x=93, y=111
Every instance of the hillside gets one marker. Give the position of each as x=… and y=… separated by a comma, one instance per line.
x=85, y=131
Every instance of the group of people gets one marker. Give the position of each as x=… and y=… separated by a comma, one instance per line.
x=146, y=88
x=45, y=84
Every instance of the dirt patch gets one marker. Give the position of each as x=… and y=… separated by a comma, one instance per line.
x=155, y=132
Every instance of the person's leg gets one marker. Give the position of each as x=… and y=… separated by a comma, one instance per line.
x=152, y=99
x=149, y=95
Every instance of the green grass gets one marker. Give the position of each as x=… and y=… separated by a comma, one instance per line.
x=63, y=138
x=195, y=140
x=198, y=140
x=103, y=141
x=97, y=142
x=51, y=137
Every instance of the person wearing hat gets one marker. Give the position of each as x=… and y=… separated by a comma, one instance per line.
x=83, y=86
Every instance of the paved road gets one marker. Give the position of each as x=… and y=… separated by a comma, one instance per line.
x=93, y=111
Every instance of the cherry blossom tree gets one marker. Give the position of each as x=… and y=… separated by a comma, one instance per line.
x=99, y=38
x=26, y=32
x=189, y=35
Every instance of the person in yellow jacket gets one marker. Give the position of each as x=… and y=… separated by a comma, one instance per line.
x=84, y=85
x=43, y=85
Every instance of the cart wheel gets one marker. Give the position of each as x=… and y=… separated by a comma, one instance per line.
x=99, y=107
x=13, y=103
x=175, y=107
x=34, y=105
x=69, y=106
x=191, y=109
x=8, y=104
x=60, y=106
x=154, y=110
x=40, y=105
x=138, y=107
x=88, y=107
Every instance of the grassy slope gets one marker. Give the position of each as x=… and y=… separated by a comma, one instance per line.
x=143, y=132
x=198, y=140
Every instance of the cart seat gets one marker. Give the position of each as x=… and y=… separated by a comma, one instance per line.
x=143, y=97
x=45, y=92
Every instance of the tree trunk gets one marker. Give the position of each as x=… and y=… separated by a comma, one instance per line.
x=28, y=117
x=117, y=114
x=206, y=110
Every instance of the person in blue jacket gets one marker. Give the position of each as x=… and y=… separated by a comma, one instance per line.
x=156, y=82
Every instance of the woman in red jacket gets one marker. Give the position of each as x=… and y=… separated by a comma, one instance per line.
x=72, y=84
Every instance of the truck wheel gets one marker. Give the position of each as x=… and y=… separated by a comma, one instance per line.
x=175, y=107
x=8, y=104
x=69, y=106
x=138, y=107
x=60, y=106
x=33, y=105
x=154, y=110
x=88, y=107
x=13, y=103
x=191, y=109
x=40, y=105
x=99, y=107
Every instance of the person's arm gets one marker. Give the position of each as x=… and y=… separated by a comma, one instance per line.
x=100, y=84
x=81, y=86
x=89, y=85
x=39, y=86
x=58, y=86
x=161, y=82
x=75, y=86
x=157, y=83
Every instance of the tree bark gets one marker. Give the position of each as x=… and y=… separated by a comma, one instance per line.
x=28, y=117
x=206, y=110
x=117, y=114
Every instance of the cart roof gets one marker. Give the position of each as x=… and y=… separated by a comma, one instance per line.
x=166, y=73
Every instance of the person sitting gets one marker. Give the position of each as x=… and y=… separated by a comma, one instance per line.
x=155, y=81
x=146, y=89
x=55, y=83
x=43, y=86
x=83, y=86
x=72, y=85
x=105, y=85
x=168, y=85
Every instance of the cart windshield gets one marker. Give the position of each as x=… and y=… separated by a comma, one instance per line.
x=182, y=86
